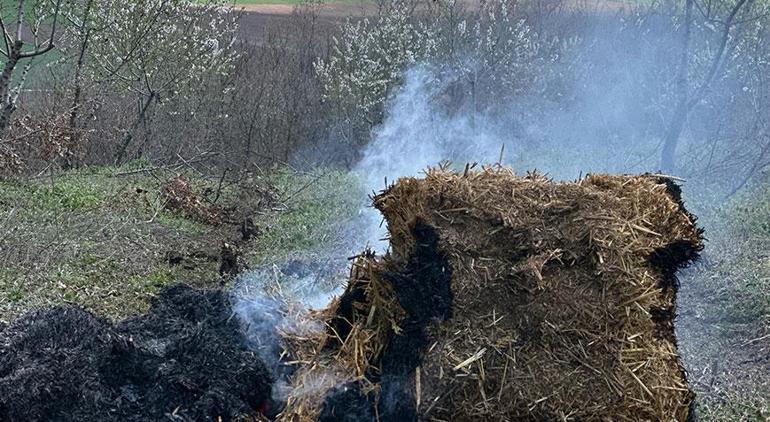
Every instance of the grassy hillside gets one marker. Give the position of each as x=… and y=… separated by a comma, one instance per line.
x=105, y=238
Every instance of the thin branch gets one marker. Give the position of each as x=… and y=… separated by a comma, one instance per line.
x=728, y=24
x=758, y=165
x=19, y=20
x=50, y=46
x=6, y=36
x=703, y=13
x=752, y=18
x=200, y=158
x=137, y=44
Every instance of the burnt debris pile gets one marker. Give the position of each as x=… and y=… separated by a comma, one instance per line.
x=508, y=298
x=183, y=360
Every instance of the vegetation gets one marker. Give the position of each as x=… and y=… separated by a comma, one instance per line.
x=724, y=320
x=315, y=206
x=104, y=237
x=102, y=103
x=287, y=2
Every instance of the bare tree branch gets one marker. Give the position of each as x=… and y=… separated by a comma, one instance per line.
x=6, y=37
x=717, y=61
x=757, y=166
x=687, y=102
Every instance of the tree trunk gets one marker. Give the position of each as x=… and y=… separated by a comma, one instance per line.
x=679, y=117
x=671, y=139
x=130, y=134
x=7, y=106
x=67, y=161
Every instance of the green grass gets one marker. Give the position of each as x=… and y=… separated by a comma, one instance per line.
x=88, y=237
x=751, y=209
x=316, y=203
x=100, y=239
x=739, y=238
x=737, y=408
x=725, y=308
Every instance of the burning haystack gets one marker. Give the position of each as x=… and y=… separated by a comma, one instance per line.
x=508, y=297
x=184, y=360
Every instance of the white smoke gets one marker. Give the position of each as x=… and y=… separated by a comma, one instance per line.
x=423, y=127
x=416, y=134
x=270, y=304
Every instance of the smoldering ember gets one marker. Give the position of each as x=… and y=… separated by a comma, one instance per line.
x=384, y=210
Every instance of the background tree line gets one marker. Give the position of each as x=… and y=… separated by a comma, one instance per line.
x=678, y=86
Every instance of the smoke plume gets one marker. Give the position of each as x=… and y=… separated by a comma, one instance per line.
x=602, y=117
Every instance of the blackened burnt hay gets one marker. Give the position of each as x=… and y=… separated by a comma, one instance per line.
x=184, y=360
x=549, y=301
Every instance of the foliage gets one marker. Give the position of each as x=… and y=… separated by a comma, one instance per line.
x=164, y=50
x=164, y=45
x=369, y=56
x=497, y=49
x=492, y=53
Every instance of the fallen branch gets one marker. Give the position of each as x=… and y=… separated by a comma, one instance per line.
x=167, y=166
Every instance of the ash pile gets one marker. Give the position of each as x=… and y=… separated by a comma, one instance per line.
x=508, y=298
x=184, y=360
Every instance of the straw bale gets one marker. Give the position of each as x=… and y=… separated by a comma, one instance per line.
x=506, y=297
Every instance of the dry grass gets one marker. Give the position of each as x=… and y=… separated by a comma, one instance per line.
x=558, y=310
